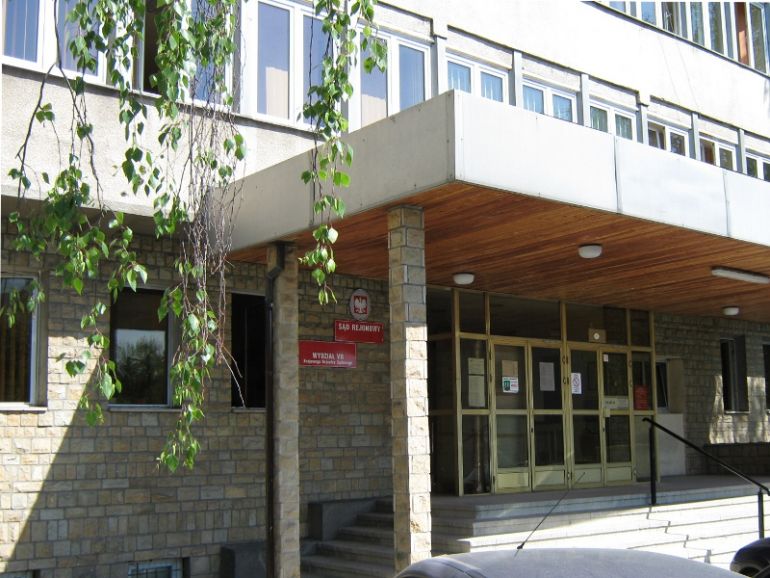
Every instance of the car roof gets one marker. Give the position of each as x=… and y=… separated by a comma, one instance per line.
x=568, y=562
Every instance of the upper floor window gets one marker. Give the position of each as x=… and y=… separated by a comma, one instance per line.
x=374, y=93
x=609, y=119
x=459, y=76
x=757, y=166
x=273, y=61
x=140, y=346
x=411, y=76
x=720, y=154
x=664, y=137
x=550, y=101
x=18, y=345
x=315, y=45
x=22, y=19
x=475, y=78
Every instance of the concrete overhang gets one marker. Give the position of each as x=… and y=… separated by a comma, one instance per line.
x=510, y=194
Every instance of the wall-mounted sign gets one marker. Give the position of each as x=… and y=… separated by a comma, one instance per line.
x=327, y=354
x=358, y=331
x=360, y=305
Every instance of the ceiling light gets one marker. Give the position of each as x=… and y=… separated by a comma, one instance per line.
x=464, y=278
x=590, y=251
x=731, y=310
x=738, y=275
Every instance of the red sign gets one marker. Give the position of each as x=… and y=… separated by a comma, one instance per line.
x=327, y=354
x=358, y=331
x=641, y=397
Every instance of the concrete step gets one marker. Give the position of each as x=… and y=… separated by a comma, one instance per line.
x=379, y=536
x=329, y=567
x=358, y=551
x=384, y=506
x=375, y=519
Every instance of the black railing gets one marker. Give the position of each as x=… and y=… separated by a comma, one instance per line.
x=654, y=471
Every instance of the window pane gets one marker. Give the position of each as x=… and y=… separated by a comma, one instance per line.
x=624, y=126
x=518, y=317
x=476, y=478
x=655, y=136
x=751, y=167
x=661, y=376
x=68, y=31
x=139, y=348
x=641, y=370
x=735, y=392
x=726, y=158
x=546, y=378
x=472, y=316
x=758, y=37
x=640, y=327
x=512, y=441
x=533, y=99
x=491, y=87
x=441, y=383
x=648, y=12
x=374, y=93
x=204, y=75
x=459, y=77
x=443, y=465
x=677, y=144
x=473, y=381
x=549, y=440
x=715, y=23
x=315, y=41
x=21, y=21
x=766, y=359
x=587, y=440
x=16, y=345
x=273, y=61
x=583, y=363
x=562, y=107
x=411, y=76
x=766, y=171
x=599, y=119
x=597, y=324
x=618, y=439
x=618, y=6
x=707, y=152
x=670, y=16
x=510, y=377
x=247, y=331
x=615, y=375
x=729, y=29
x=696, y=16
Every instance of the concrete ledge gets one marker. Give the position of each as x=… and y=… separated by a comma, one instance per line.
x=243, y=560
x=326, y=518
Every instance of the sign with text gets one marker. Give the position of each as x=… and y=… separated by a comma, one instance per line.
x=327, y=354
x=358, y=331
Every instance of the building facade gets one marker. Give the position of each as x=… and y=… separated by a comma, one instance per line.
x=556, y=230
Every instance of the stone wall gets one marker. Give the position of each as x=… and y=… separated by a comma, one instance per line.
x=696, y=341
x=80, y=501
x=344, y=436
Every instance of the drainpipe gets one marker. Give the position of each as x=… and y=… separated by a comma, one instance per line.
x=272, y=275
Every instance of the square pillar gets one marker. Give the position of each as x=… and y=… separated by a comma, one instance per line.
x=409, y=386
x=286, y=411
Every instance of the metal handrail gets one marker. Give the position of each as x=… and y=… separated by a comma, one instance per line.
x=654, y=471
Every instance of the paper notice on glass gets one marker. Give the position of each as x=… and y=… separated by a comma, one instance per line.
x=576, y=381
x=476, y=391
x=510, y=384
x=547, y=376
x=510, y=368
x=475, y=366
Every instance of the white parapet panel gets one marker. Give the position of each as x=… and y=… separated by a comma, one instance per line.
x=748, y=206
x=660, y=186
x=516, y=150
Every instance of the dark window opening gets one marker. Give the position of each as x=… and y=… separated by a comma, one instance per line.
x=735, y=392
x=247, y=329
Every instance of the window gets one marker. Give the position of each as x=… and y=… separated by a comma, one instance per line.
x=673, y=17
x=411, y=76
x=678, y=143
x=550, y=101
x=273, y=61
x=713, y=153
x=140, y=346
x=715, y=27
x=766, y=359
x=696, y=16
x=492, y=86
x=751, y=167
x=661, y=375
x=147, y=67
x=726, y=158
x=708, y=152
x=459, y=76
x=604, y=118
x=170, y=569
x=648, y=12
x=758, y=17
x=656, y=136
x=666, y=138
x=205, y=81
x=18, y=346
x=21, y=29
x=247, y=330
x=755, y=164
x=374, y=93
x=68, y=31
x=766, y=171
x=314, y=48
x=735, y=392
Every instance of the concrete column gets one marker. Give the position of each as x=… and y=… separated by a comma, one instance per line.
x=286, y=404
x=409, y=386
x=584, y=101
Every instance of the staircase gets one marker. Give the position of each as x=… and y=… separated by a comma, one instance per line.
x=364, y=549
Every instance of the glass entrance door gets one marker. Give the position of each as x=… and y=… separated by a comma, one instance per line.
x=549, y=465
x=617, y=417
x=586, y=448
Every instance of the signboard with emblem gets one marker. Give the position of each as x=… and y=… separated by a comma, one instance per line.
x=360, y=305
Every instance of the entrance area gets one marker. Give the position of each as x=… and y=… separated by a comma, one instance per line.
x=532, y=395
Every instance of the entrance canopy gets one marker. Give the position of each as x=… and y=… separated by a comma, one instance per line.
x=510, y=195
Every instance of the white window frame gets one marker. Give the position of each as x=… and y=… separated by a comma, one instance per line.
x=750, y=40
x=549, y=92
x=476, y=69
x=394, y=76
x=667, y=131
x=719, y=145
x=612, y=111
x=762, y=162
x=34, y=354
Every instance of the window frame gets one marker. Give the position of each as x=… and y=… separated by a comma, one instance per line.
x=718, y=146
x=37, y=386
x=613, y=111
x=260, y=301
x=43, y=17
x=665, y=132
x=172, y=331
x=750, y=33
x=394, y=62
x=179, y=568
x=549, y=91
x=476, y=71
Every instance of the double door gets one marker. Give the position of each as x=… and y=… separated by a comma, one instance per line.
x=559, y=418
